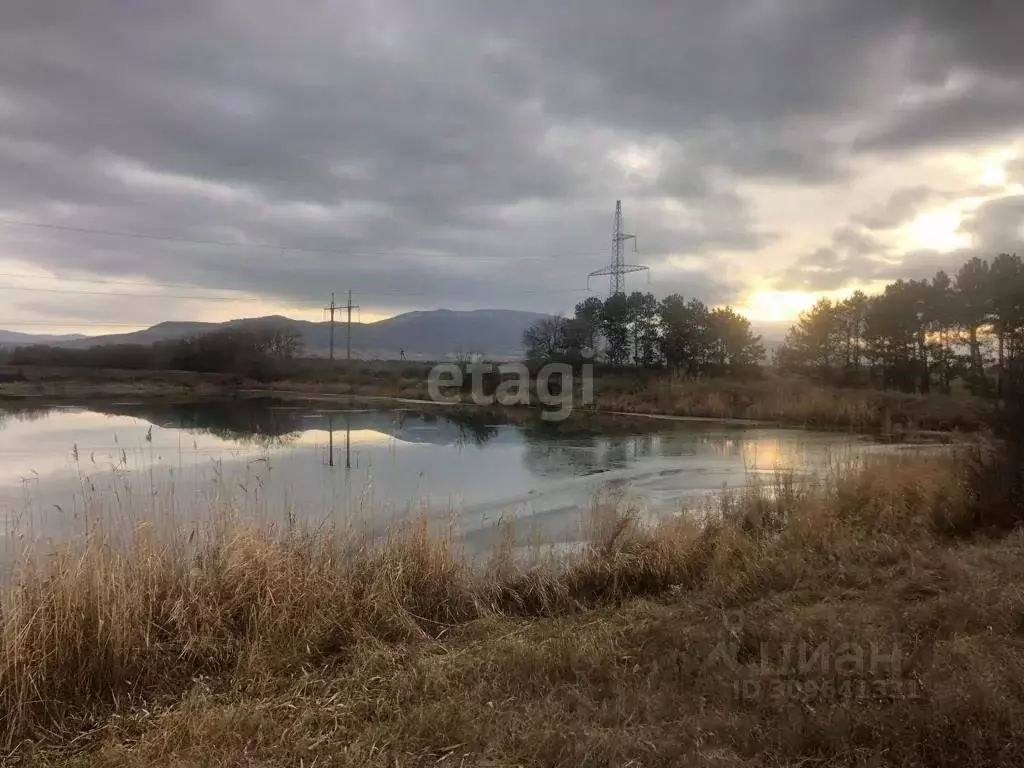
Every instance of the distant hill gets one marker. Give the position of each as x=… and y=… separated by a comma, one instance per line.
x=429, y=335
x=11, y=338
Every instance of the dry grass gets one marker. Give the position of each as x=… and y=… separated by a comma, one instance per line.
x=775, y=398
x=781, y=399
x=793, y=401
x=653, y=646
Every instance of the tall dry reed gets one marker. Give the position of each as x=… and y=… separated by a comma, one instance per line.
x=283, y=642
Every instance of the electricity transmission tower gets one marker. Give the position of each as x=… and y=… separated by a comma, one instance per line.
x=332, y=310
x=618, y=269
x=348, y=340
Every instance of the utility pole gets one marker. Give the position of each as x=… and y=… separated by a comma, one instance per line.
x=618, y=269
x=348, y=344
x=348, y=331
x=331, y=309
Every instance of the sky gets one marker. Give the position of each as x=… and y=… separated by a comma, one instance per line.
x=211, y=159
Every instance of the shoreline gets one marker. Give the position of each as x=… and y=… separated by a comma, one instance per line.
x=766, y=403
x=506, y=414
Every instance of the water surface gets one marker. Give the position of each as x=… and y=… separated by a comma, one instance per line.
x=62, y=468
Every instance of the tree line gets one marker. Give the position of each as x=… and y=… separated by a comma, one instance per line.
x=683, y=335
x=918, y=335
x=261, y=353
x=915, y=336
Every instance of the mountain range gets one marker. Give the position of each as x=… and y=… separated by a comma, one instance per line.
x=12, y=338
x=427, y=335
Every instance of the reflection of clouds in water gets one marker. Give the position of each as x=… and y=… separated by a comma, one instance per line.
x=319, y=437
x=46, y=448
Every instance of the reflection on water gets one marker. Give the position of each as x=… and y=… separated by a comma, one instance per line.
x=60, y=467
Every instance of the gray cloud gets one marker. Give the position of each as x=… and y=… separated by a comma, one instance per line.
x=467, y=153
x=901, y=208
x=978, y=112
x=851, y=254
x=994, y=227
x=997, y=226
x=1015, y=170
x=827, y=271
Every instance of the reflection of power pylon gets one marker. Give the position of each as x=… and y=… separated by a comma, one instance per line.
x=330, y=441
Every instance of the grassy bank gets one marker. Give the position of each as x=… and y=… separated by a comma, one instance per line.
x=777, y=399
x=383, y=379
x=793, y=400
x=52, y=383
x=774, y=398
x=897, y=582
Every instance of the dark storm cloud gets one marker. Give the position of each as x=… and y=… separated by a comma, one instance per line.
x=981, y=112
x=970, y=56
x=447, y=153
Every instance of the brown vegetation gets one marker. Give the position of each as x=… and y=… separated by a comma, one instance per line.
x=793, y=400
x=55, y=383
x=660, y=646
x=385, y=379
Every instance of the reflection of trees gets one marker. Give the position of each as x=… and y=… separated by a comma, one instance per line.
x=255, y=421
x=14, y=412
x=588, y=446
x=269, y=422
x=459, y=427
x=593, y=443
x=582, y=444
x=260, y=422
x=546, y=457
x=475, y=428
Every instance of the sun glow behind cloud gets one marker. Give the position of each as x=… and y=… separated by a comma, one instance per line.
x=774, y=306
x=982, y=177
x=937, y=230
x=770, y=306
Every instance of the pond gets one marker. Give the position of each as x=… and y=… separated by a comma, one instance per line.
x=63, y=468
